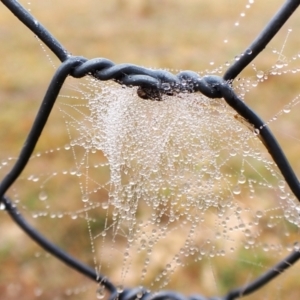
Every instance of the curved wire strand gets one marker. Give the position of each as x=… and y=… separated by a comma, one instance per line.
x=37, y=28
x=262, y=40
x=57, y=252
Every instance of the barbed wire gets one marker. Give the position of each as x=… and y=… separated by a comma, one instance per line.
x=154, y=85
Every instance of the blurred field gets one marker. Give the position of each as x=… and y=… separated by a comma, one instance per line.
x=171, y=34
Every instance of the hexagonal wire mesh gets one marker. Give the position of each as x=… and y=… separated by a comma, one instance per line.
x=157, y=85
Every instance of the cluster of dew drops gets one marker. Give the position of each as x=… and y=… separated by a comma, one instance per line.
x=184, y=167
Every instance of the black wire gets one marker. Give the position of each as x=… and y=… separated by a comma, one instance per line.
x=265, y=133
x=262, y=40
x=41, y=32
x=42, y=116
x=262, y=280
x=40, y=121
x=66, y=258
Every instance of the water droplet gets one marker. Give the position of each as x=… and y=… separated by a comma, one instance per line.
x=237, y=189
x=232, y=152
x=279, y=65
x=256, y=131
x=105, y=205
x=249, y=51
x=74, y=216
x=251, y=241
x=266, y=247
x=282, y=194
x=140, y=294
x=259, y=214
x=297, y=246
x=100, y=293
x=85, y=198
x=281, y=184
x=43, y=196
x=260, y=74
x=2, y=206
x=120, y=288
x=241, y=179
x=286, y=109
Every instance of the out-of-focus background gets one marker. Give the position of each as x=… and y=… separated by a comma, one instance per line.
x=194, y=35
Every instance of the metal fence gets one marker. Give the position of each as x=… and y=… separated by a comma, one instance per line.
x=152, y=84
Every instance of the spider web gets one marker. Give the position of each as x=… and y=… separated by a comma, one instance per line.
x=185, y=167
x=178, y=194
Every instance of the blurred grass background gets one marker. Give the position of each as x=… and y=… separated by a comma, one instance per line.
x=171, y=34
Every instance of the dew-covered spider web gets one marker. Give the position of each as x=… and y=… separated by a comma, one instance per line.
x=176, y=194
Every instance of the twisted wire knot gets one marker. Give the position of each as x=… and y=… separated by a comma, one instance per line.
x=142, y=294
x=152, y=84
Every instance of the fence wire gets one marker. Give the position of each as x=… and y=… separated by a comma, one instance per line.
x=152, y=84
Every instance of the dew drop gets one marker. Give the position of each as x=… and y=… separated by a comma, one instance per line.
x=100, y=293
x=105, y=205
x=279, y=65
x=237, y=189
x=266, y=247
x=259, y=214
x=232, y=152
x=139, y=295
x=2, y=206
x=85, y=198
x=242, y=179
x=74, y=216
x=251, y=241
x=120, y=288
x=297, y=246
x=256, y=131
x=43, y=196
x=281, y=184
x=260, y=74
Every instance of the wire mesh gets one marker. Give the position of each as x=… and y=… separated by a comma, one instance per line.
x=152, y=84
